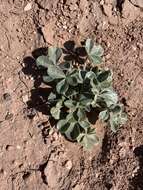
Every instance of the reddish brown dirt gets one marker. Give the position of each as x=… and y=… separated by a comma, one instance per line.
x=34, y=156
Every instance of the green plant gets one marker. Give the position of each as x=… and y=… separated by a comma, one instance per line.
x=77, y=89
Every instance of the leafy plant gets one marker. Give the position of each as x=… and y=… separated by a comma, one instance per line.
x=77, y=89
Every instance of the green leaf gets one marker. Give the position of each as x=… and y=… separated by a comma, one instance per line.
x=109, y=96
x=72, y=80
x=82, y=75
x=54, y=54
x=52, y=96
x=70, y=104
x=90, y=75
x=65, y=66
x=81, y=114
x=104, y=115
x=55, y=112
x=47, y=79
x=62, y=126
x=94, y=51
x=84, y=101
x=89, y=45
x=94, y=102
x=62, y=87
x=116, y=120
x=73, y=131
x=84, y=124
x=105, y=79
x=89, y=139
x=55, y=72
x=43, y=61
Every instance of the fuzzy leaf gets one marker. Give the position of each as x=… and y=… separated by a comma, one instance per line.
x=73, y=131
x=116, y=120
x=62, y=126
x=52, y=96
x=62, y=87
x=104, y=115
x=89, y=139
x=43, y=61
x=81, y=114
x=47, y=79
x=70, y=104
x=105, y=79
x=65, y=66
x=84, y=124
x=109, y=96
x=94, y=51
x=55, y=112
x=71, y=80
x=55, y=72
x=54, y=54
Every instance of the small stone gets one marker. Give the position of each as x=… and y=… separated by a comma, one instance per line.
x=25, y=98
x=28, y=7
x=68, y=165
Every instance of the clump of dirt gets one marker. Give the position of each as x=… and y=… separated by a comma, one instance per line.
x=33, y=155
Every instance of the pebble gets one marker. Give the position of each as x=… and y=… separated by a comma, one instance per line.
x=28, y=7
x=69, y=165
x=25, y=98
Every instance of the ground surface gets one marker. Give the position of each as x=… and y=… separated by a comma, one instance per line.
x=32, y=157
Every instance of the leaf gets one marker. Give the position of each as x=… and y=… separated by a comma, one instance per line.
x=55, y=72
x=89, y=45
x=104, y=115
x=89, y=139
x=70, y=104
x=94, y=102
x=62, y=87
x=116, y=120
x=109, y=96
x=52, y=96
x=54, y=54
x=73, y=131
x=105, y=79
x=72, y=80
x=84, y=124
x=90, y=75
x=81, y=114
x=82, y=75
x=62, y=126
x=43, y=61
x=65, y=66
x=55, y=112
x=94, y=51
x=47, y=79
x=84, y=101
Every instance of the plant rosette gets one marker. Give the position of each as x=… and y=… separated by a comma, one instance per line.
x=77, y=90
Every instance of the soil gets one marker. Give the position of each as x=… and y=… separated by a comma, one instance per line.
x=33, y=155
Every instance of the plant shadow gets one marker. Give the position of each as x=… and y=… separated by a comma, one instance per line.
x=137, y=181
x=39, y=95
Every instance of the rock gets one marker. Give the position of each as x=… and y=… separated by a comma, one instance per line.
x=138, y=3
x=68, y=165
x=51, y=174
x=129, y=12
x=28, y=7
x=48, y=4
x=25, y=98
x=48, y=32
